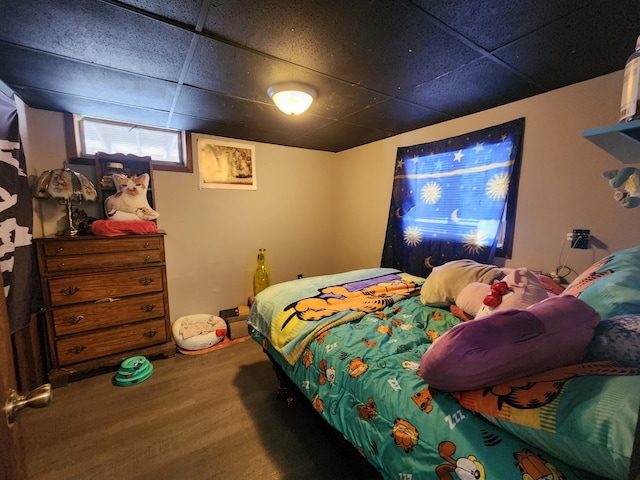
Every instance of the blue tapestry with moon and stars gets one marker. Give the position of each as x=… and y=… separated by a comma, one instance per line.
x=450, y=198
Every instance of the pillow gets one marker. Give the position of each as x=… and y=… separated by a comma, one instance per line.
x=510, y=344
x=585, y=414
x=470, y=297
x=547, y=282
x=550, y=285
x=617, y=339
x=445, y=282
x=526, y=290
x=612, y=285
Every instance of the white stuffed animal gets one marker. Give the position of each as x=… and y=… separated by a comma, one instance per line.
x=130, y=202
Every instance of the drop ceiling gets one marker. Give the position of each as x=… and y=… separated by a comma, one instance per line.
x=381, y=67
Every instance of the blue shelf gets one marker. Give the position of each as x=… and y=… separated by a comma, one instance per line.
x=621, y=140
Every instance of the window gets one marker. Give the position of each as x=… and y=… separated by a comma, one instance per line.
x=166, y=147
x=454, y=198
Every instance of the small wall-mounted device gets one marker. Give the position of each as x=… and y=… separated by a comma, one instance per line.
x=580, y=239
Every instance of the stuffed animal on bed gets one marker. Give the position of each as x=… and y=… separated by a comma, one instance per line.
x=521, y=288
x=626, y=183
x=617, y=339
x=130, y=202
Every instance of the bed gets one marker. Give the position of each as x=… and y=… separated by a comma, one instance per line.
x=395, y=365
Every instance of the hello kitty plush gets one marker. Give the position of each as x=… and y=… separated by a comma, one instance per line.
x=130, y=202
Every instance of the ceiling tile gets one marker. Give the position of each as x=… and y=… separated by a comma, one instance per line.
x=59, y=102
x=337, y=135
x=221, y=68
x=212, y=106
x=30, y=68
x=183, y=11
x=578, y=47
x=494, y=23
x=97, y=32
x=471, y=88
x=395, y=116
x=385, y=46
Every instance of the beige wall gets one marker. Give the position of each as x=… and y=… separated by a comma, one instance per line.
x=318, y=212
x=561, y=183
x=213, y=235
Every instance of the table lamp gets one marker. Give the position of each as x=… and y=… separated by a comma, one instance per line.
x=66, y=187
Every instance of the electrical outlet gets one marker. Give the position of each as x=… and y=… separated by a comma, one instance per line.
x=580, y=239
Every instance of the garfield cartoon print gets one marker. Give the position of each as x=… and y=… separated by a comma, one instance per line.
x=534, y=467
x=465, y=468
x=404, y=434
x=367, y=411
x=369, y=295
x=533, y=392
x=423, y=400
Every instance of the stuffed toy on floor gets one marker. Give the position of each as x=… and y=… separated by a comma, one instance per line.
x=626, y=183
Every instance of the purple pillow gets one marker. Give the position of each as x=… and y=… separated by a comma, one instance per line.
x=510, y=344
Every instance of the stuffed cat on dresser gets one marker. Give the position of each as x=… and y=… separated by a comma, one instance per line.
x=130, y=202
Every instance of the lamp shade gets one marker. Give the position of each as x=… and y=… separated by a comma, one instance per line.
x=293, y=98
x=65, y=186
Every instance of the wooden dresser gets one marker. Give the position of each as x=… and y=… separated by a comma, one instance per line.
x=105, y=298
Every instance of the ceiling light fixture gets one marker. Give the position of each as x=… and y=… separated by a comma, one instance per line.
x=293, y=98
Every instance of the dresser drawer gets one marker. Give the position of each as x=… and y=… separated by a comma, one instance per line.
x=89, y=288
x=79, y=348
x=93, y=246
x=92, y=316
x=74, y=262
x=62, y=256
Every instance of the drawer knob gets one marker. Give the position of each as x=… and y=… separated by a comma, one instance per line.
x=61, y=265
x=150, y=333
x=146, y=245
x=147, y=258
x=77, y=349
x=148, y=307
x=69, y=291
x=72, y=320
x=145, y=281
x=60, y=250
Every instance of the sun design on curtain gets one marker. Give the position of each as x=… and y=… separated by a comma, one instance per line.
x=450, y=198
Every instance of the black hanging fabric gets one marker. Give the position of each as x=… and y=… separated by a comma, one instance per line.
x=17, y=254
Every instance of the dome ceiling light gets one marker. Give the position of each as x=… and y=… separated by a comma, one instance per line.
x=293, y=98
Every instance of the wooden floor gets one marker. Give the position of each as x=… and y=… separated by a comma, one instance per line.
x=210, y=416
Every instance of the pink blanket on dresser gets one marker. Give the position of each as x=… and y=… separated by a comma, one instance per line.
x=113, y=228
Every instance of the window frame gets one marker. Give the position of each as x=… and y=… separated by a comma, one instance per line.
x=76, y=155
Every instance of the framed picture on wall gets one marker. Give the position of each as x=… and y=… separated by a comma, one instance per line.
x=224, y=164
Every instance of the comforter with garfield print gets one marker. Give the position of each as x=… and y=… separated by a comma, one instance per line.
x=358, y=368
